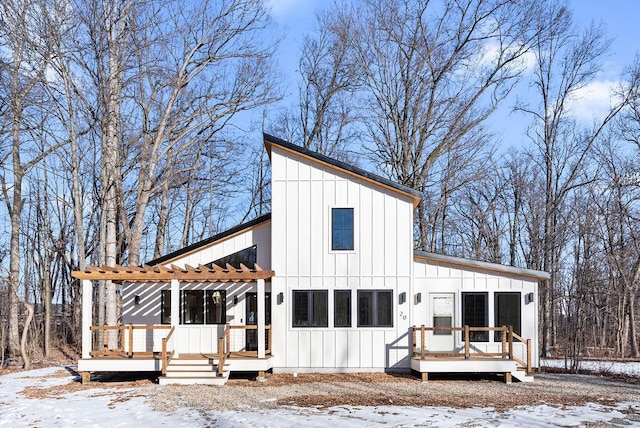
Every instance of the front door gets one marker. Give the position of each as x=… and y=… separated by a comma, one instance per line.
x=441, y=306
x=252, y=319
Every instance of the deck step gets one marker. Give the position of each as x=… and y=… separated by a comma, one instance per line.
x=217, y=380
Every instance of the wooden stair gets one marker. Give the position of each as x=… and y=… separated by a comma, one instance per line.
x=194, y=370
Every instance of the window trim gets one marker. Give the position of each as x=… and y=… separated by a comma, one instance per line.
x=349, y=324
x=163, y=307
x=485, y=334
x=310, y=312
x=374, y=307
x=204, y=309
x=353, y=229
x=496, y=294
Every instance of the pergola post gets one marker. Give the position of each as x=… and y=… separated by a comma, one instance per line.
x=87, y=312
x=175, y=314
x=261, y=323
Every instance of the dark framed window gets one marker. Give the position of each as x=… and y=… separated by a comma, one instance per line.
x=342, y=228
x=310, y=308
x=165, y=307
x=475, y=313
x=216, y=306
x=192, y=307
x=247, y=257
x=203, y=307
x=375, y=308
x=342, y=308
x=506, y=312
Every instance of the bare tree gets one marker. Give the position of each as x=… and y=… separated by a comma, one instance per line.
x=433, y=75
x=566, y=59
x=24, y=56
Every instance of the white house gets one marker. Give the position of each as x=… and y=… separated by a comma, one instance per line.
x=327, y=282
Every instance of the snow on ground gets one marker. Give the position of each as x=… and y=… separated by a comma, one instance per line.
x=100, y=406
x=631, y=368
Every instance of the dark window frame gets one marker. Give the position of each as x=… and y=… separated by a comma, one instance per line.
x=375, y=308
x=202, y=315
x=165, y=305
x=313, y=320
x=476, y=336
x=342, y=236
x=496, y=315
x=209, y=307
x=337, y=317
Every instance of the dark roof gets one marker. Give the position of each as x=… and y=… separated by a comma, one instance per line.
x=341, y=165
x=210, y=240
x=482, y=265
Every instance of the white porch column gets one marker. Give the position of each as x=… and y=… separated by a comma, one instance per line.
x=87, y=312
x=261, y=310
x=175, y=314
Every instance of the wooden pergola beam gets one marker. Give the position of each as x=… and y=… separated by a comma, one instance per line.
x=159, y=273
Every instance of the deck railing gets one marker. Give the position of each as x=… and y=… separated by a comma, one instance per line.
x=122, y=340
x=168, y=349
x=236, y=339
x=419, y=346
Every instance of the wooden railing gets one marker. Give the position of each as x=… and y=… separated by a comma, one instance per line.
x=506, y=350
x=223, y=349
x=167, y=355
x=110, y=340
x=240, y=350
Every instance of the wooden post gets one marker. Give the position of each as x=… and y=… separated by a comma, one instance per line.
x=504, y=341
x=507, y=377
x=422, y=347
x=425, y=376
x=86, y=377
x=221, y=356
x=511, y=342
x=131, y=340
x=529, y=367
x=466, y=342
x=164, y=355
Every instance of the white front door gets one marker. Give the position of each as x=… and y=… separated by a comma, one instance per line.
x=441, y=310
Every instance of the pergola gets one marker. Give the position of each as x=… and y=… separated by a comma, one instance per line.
x=173, y=275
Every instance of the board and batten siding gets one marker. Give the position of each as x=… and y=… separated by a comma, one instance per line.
x=303, y=194
x=440, y=277
x=191, y=338
x=258, y=235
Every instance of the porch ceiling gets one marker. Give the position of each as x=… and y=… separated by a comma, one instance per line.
x=157, y=273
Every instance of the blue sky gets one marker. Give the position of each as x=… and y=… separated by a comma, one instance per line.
x=620, y=17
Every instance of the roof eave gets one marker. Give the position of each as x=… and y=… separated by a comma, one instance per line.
x=270, y=140
x=495, y=267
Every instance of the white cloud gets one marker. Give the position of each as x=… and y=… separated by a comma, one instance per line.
x=594, y=100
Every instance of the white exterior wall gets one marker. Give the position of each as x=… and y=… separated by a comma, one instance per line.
x=191, y=338
x=259, y=235
x=440, y=277
x=303, y=193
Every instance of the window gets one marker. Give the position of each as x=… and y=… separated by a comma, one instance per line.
x=342, y=308
x=506, y=312
x=165, y=307
x=375, y=308
x=247, y=257
x=310, y=309
x=200, y=307
x=475, y=314
x=192, y=307
x=216, y=307
x=342, y=228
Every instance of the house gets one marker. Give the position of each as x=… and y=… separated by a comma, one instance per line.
x=329, y=281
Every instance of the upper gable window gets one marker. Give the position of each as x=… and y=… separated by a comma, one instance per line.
x=247, y=257
x=342, y=228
